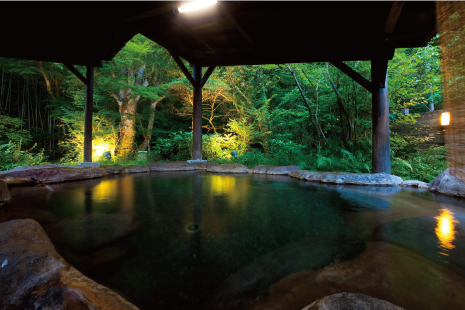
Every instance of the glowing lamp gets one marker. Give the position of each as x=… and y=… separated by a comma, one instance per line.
x=196, y=5
x=445, y=119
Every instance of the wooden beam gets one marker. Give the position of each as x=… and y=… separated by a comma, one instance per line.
x=429, y=36
x=88, y=115
x=236, y=24
x=207, y=75
x=76, y=72
x=197, y=115
x=394, y=15
x=354, y=75
x=151, y=13
x=184, y=70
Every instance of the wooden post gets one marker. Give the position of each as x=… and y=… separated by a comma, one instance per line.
x=380, y=116
x=88, y=115
x=197, y=117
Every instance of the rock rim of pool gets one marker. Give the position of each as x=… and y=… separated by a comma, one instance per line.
x=171, y=166
x=445, y=183
x=32, y=272
x=229, y=168
x=55, y=174
x=270, y=169
x=350, y=301
x=380, y=179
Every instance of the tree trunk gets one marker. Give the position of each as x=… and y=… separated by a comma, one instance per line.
x=148, y=135
x=128, y=128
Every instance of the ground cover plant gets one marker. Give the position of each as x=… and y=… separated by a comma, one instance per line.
x=308, y=114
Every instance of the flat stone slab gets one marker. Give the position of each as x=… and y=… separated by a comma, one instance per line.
x=11, y=181
x=414, y=183
x=382, y=179
x=34, y=276
x=229, y=168
x=270, y=169
x=58, y=174
x=89, y=164
x=114, y=169
x=205, y=165
x=445, y=183
x=5, y=196
x=136, y=169
x=351, y=301
x=171, y=166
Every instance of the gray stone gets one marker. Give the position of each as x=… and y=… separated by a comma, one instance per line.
x=31, y=168
x=136, y=169
x=204, y=165
x=192, y=161
x=89, y=164
x=445, y=183
x=114, y=169
x=229, y=168
x=5, y=196
x=351, y=301
x=269, y=169
x=414, y=183
x=171, y=166
x=382, y=179
x=58, y=174
x=34, y=276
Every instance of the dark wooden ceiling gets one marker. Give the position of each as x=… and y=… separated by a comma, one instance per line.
x=228, y=33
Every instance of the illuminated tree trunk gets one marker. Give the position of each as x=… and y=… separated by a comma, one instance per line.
x=128, y=125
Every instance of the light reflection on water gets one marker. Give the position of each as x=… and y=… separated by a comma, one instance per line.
x=445, y=230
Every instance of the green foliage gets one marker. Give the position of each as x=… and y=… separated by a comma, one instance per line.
x=11, y=129
x=11, y=156
x=423, y=165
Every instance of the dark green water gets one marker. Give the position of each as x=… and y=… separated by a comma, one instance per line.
x=195, y=240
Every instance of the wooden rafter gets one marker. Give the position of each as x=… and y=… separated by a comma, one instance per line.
x=184, y=69
x=199, y=38
x=353, y=74
x=429, y=36
x=76, y=72
x=148, y=14
x=207, y=75
x=394, y=15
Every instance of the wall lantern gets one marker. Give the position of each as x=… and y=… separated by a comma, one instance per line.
x=445, y=118
x=196, y=5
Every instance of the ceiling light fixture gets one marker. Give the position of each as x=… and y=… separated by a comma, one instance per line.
x=196, y=5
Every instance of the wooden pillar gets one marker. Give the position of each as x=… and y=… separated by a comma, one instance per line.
x=197, y=117
x=380, y=116
x=88, y=115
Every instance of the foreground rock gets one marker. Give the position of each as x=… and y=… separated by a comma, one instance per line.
x=34, y=276
x=310, y=253
x=414, y=183
x=229, y=168
x=445, y=183
x=58, y=174
x=171, y=166
x=268, y=169
x=27, y=168
x=114, y=169
x=382, y=179
x=351, y=301
x=382, y=271
x=11, y=181
x=5, y=196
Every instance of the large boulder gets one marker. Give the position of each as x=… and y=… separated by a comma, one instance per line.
x=414, y=183
x=229, y=168
x=445, y=183
x=27, y=168
x=171, y=166
x=58, y=174
x=12, y=181
x=351, y=301
x=382, y=179
x=34, y=276
x=5, y=196
x=268, y=169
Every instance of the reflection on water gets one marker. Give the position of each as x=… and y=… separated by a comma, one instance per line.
x=196, y=240
x=445, y=230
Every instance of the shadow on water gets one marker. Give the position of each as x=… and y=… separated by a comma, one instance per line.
x=198, y=240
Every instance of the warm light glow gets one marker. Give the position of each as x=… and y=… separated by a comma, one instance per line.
x=445, y=230
x=445, y=119
x=196, y=5
x=223, y=184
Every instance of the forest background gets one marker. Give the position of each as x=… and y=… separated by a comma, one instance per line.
x=307, y=114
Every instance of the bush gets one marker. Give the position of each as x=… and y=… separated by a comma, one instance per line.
x=11, y=156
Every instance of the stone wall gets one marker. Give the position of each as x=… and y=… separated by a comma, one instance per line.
x=428, y=123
